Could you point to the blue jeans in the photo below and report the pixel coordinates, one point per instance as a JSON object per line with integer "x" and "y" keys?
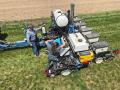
{"x": 35, "y": 48}
{"x": 48, "y": 46}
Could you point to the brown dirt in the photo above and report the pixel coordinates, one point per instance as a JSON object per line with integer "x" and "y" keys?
{"x": 30, "y": 9}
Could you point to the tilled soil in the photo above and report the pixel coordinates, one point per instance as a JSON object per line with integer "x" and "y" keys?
{"x": 30, "y": 9}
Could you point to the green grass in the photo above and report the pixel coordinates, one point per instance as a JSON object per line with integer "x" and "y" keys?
{"x": 20, "y": 70}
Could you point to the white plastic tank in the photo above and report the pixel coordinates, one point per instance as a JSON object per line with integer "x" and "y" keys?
{"x": 60, "y": 18}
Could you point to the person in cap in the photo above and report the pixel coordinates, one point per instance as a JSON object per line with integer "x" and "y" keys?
{"x": 31, "y": 37}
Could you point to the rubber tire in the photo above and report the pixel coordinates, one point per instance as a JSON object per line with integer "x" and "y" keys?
{"x": 98, "y": 60}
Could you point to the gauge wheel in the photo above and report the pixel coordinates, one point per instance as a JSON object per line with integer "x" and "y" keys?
{"x": 52, "y": 75}
{"x": 99, "y": 60}
{"x": 65, "y": 72}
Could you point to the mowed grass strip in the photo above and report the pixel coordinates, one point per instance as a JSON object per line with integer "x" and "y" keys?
{"x": 20, "y": 70}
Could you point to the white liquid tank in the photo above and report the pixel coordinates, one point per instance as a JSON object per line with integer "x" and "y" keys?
{"x": 60, "y": 18}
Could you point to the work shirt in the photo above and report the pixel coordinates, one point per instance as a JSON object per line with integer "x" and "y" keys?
{"x": 59, "y": 41}
{"x": 31, "y": 35}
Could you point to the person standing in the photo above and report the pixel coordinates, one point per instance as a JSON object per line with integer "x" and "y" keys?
{"x": 31, "y": 37}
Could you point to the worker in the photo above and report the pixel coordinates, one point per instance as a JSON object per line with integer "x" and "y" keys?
{"x": 3, "y": 36}
{"x": 32, "y": 39}
{"x": 56, "y": 44}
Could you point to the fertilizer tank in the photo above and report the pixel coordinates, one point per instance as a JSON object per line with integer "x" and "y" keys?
{"x": 60, "y": 18}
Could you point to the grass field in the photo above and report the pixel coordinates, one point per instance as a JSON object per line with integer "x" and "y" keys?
{"x": 19, "y": 70}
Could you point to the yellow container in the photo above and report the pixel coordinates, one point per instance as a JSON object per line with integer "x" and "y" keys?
{"x": 86, "y": 56}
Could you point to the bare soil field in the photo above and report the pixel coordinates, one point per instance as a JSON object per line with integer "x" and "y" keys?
{"x": 30, "y": 9}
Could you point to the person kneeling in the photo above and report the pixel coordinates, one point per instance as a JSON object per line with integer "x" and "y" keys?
{"x": 55, "y": 45}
